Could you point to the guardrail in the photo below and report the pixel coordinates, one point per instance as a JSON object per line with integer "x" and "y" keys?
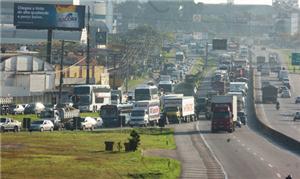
{"x": 279, "y": 138}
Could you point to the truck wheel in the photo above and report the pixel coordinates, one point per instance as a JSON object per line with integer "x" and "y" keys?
{"x": 42, "y": 130}
{"x": 16, "y": 129}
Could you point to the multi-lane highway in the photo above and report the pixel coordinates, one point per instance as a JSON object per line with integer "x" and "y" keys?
{"x": 282, "y": 119}
{"x": 247, "y": 154}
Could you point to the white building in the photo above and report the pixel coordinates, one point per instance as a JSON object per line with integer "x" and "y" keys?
{"x": 24, "y": 75}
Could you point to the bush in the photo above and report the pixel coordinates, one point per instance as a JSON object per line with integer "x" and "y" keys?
{"x": 134, "y": 141}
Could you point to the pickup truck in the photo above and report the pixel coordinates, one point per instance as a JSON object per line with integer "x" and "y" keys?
{"x": 7, "y": 124}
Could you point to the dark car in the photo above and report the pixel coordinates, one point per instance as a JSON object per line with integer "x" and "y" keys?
{"x": 297, "y": 116}
{"x": 297, "y": 100}
{"x": 243, "y": 117}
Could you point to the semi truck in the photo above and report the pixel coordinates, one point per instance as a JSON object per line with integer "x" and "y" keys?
{"x": 60, "y": 116}
{"x": 145, "y": 113}
{"x": 224, "y": 113}
{"x": 178, "y": 108}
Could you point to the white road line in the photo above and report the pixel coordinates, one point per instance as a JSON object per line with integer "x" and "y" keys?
{"x": 212, "y": 152}
{"x": 243, "y": 145}
{"x": 261, "y": 158}
{"x": 278, "y": 175}
{"x": 238, "y": 140}
{"x": 254, "y": 153}
{"x": 248, "y": 148}
{"x": 271, "y": 166}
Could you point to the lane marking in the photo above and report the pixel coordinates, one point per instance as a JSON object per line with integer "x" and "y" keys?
{"x": 238, "y": 140}
{"x": 254, "y": 153}
{"x": 212, "y": 152}
{"x": 270, "y": 165}
{"x": 243, "y": 145}
{"x": 262, "y": 159}
{"x": 248, "y": 148}
{"x": 278, "y": 175}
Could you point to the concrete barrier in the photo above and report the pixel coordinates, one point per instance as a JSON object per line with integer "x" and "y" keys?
{"x": 279, "y": 138}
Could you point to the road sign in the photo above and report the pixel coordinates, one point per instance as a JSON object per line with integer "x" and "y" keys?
{"x": 296, "y": 59}
{"x": 219, "y": 44}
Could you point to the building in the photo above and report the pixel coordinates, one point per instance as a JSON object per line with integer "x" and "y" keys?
{"x": 77, "y": 75}
{"x": 26, "y": 78}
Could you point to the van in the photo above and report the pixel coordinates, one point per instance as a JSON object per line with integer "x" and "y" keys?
{"x": 283, "y": 74}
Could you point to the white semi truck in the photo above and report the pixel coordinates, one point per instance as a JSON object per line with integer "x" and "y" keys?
{"x": 178, "y": 108}
{"x": 145, "y": 113}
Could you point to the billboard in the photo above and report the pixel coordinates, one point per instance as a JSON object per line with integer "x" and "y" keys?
{"x": 48, "y": 16}
{"x": 296, "y": 59}
{"x": 219, "y": 44}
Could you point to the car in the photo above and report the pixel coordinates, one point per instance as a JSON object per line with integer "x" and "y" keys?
{"x": 297, "y": 116}
{"x": 282, "y": 88}
{"x": 287, "y": 84}
{"x": 16, "y": 109}
{"x": 7, "y": 124}
{"x": 243, "y": 117}
{"x": 286, "y": 94}
{"x": 36, "y": 108}
{"x": 41, "y": 125}
{"x": 297, "y": 100}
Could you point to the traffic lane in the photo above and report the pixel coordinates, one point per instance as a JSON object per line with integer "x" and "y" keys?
{"x": 231, "y": 150}
{"x": 294, "y": 81}
{"x": 282, "y": 119}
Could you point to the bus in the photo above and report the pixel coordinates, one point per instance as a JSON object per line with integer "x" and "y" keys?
{"x": 146, "y": 92}
{"x": 112, "y": 115}
{"x": 90, "y": 98}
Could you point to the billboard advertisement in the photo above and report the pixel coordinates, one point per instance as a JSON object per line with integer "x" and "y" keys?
{"x": 219, "y": 44}
{"x": 49, "y": 16}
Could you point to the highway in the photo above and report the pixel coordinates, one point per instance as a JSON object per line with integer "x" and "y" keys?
{"x": 281, "y": 120}
{"x": 246, "y": 153}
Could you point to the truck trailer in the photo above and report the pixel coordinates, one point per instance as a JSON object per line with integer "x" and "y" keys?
{"x": 224, "y": 113}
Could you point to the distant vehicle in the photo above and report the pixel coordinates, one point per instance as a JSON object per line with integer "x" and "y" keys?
{"x": 269, "y": 94}
{"x": 242, "y": 79}
{"x": 282, "y": 88}
{"x": 112, "y": 115}
{"x": 166, "y": 86}
{"x": 41, "y": 125}
{"x": 180, "y": 57}
{"x": 164, "y": 78}
{"x": 297, "y": 116}
{"x": 16, "y": 109}
{"x": 283, "y": 74}
{"x": 224, "y": 113}
{"x": 287, "y": 84}
{"x": 82, "y": 123}
{"x": 7, "y": 124}
{"x": 297, "y": 100}
{"x": 286, "y": 94}
{"x": 90, "y": 98}
{"x": 243, "y": 117}
{"x": 116, "y": 97}
{"x": 36, "y": 108}
{"x": 146, "y": 92}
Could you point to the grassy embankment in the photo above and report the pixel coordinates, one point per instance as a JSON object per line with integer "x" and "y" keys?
{"x": 81, "y": 155}
{"x": 288, "y": 61}
{"x": 34, "y": 117}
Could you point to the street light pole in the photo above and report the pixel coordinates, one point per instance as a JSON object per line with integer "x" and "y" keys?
{"x": 61, "y": 72}
{"x": 88, "y": 49}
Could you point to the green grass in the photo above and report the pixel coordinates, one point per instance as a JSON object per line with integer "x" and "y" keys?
{"x": 89, "y": 114}
{"x": 197, "y": 67}
{"x": 135, "y": 82}
{"x": 81, "y": 155}
{"x": 20, "y": 117}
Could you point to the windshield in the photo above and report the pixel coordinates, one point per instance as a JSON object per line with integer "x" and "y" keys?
{"x": 37, "y": 122}
{"x": 81, "y": 90}
{"x": 84, "y": 100}
{"x": 108, "y": 112}
{"x": 165, "y": 87}
{"x": 137, "y": 113}
{"x": 221, "y": 115}
{"x": 142, "y": 94}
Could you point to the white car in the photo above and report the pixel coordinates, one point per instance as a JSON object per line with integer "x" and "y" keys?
{"x": 88, "y": 123}
{"x": 18, "y": 109}
{"x": 41, "y": 125}
{"x": 286, "y": 94}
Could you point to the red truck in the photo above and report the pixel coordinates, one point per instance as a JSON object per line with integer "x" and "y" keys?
{"x": 224, "y": 113}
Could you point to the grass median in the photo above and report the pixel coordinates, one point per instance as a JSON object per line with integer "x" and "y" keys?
{"x": 81, "y": 155}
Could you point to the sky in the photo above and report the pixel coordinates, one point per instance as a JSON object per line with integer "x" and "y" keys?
{"x": 267, "y": 2}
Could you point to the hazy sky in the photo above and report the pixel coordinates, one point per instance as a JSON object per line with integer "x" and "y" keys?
{"x": 268, "y": 2}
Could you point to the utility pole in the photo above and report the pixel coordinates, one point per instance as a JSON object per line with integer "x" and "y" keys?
{"x": 115, "y": 73}
{"x": 61, "y": 72}
{"x": 49, "y": 45}
{"x": 88, "y": 49}
{"x": 206, "y": 54}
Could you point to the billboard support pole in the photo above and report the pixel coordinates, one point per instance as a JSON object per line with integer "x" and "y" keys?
{"x": 61, "y": 72}
{"x": 49, "y": 45}
{"x": 88, "y": 49}
{"x": 206, "y": 54}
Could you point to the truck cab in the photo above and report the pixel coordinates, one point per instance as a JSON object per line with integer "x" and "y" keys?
{"x": 139, "y": 117}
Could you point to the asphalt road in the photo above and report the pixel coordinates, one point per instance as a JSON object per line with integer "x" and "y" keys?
{"x": 247, "y": 154}
{"x": 282, "y": 119}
